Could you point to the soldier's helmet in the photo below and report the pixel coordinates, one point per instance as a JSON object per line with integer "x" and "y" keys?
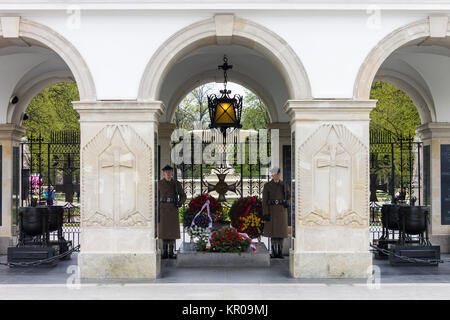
{"x": 166, "y": 168}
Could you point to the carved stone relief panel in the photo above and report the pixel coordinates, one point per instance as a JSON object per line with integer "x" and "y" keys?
{"x": 117, "y": 179}
{"x": 332, "y": 172}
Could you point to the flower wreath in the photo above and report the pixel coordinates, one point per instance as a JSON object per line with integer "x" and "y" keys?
{"x": 194, "y": 207}
{"x": 246, "y": 216}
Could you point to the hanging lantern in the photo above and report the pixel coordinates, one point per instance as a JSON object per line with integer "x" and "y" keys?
{"x": 224, "y": 111}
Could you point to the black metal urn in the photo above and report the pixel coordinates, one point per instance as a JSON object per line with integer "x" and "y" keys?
{"x": 390, "y": 217}
{"x": 40, "y": 219}
{"x": 413, "y": 219}
{"x": 31, "y": 220}
{"x": 55, "y": 217}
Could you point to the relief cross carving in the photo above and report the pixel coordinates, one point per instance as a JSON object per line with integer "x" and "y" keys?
{"x": 333, "y": 162}
{"x": 116, "y": 160}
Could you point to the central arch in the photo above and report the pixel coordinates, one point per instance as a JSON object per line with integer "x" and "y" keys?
{"x": 238, "y": 31}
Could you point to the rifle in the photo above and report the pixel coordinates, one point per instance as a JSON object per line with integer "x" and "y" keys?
{"x": 176, "y": 186}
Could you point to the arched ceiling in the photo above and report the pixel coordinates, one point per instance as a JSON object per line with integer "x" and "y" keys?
{"x": 24, "y": 64}
{"x": 424, "y": 70}
{"x": 250, "y": 69}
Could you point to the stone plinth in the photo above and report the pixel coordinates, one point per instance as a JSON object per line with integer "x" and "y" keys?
{"x": 10, "y": 135}
{"x": 434, "y": 135}
{"x": 118, "y": 143}
{"x": 188, "y": 257}
{"x": 331, "y": 195}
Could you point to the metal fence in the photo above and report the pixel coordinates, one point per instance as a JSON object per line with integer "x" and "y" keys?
{"x": 71, "y": 232}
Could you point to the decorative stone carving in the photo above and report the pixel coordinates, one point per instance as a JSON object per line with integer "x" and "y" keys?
{"x": 332, "y": 172}
{"x": 118, "y": 174}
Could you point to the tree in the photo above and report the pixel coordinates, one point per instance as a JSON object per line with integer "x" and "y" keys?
{"x": 192, "y": 113}
{"x": 254, "y": 112}
{"x": 394, "y": 111}
{"x": 52, "y": 109}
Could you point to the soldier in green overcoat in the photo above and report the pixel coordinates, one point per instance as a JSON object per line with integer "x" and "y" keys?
{"x": 276, "y": 197}
{"x": 170, "y": 199}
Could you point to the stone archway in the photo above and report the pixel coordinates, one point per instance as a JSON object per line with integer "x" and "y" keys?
{"x": 61, "y": 46}
{"x": 225, "y": 29}
{"x": 30, "y": 89}
{"x": 238, "y": 78}
{"x": 22, "y": 33}
{"x": 434, "y": 131}
{"x": 422, "y": 101}
{"x": 409, "y": 34}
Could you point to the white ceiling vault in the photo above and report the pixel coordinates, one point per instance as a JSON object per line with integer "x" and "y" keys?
{"x": 250, "y": 69}
{"x": 25, "y": 70}
{"x": 422, "y": 70}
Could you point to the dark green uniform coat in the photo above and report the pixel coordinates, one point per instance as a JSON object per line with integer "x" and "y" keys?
{"x": 169, "y": 222}
{"x": 277, "y": 227}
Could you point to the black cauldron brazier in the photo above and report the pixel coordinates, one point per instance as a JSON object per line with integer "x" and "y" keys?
{"x": 55, "y": 217}
{"x": 390, "y": 217}
{"x": 31, "y": 220}
{"x": 413, "y": 219}
{"x": 40, "y": 220}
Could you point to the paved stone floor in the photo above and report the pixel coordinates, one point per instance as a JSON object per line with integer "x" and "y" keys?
{"x": 202, "y": 283}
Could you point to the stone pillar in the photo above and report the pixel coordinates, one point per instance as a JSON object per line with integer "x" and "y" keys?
{"x": 332, "y": 235}
{"x": 435, "y": 135}
{"x": 10, "y": 135}
{"x": 164, "y": 135}
{"x": 118, "y": 182}
{"x": 284, "y": 138}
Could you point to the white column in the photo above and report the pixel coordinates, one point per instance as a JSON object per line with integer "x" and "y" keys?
{"x": 331, "y": 188}
{"x": 118, "y": 178}
{"x": 435, "y": 134}
{"x": 284, "y": 135}
{"x": 10, "y": 135}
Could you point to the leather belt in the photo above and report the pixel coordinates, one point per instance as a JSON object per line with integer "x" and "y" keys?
{"x": 167, "y": 200}
{"x": 275, "y": 202}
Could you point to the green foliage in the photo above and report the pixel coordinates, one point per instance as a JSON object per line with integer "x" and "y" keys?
{"x": 192, "y": 112}
{"x": 52, "y": 109}
{"x": 394, "y": 111}
{"x": 254, "y": 113}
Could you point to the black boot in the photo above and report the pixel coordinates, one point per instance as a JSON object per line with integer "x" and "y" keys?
{"x": 273, "y": 254}
{"x": 172, "y": 254}
{"x": 165, "y": 254}
{"x": 280, "y": 251}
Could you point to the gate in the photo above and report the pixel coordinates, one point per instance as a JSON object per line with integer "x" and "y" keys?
{"x": 249, "y": 170}
{"x": 53, "y": 161}
{"x": 395, "y": 173}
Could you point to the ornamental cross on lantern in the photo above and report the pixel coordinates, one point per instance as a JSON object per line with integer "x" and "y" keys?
{"x": 222, "y": 187}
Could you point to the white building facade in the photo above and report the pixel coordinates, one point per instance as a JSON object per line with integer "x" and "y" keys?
{"x": 311, "y": 62}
